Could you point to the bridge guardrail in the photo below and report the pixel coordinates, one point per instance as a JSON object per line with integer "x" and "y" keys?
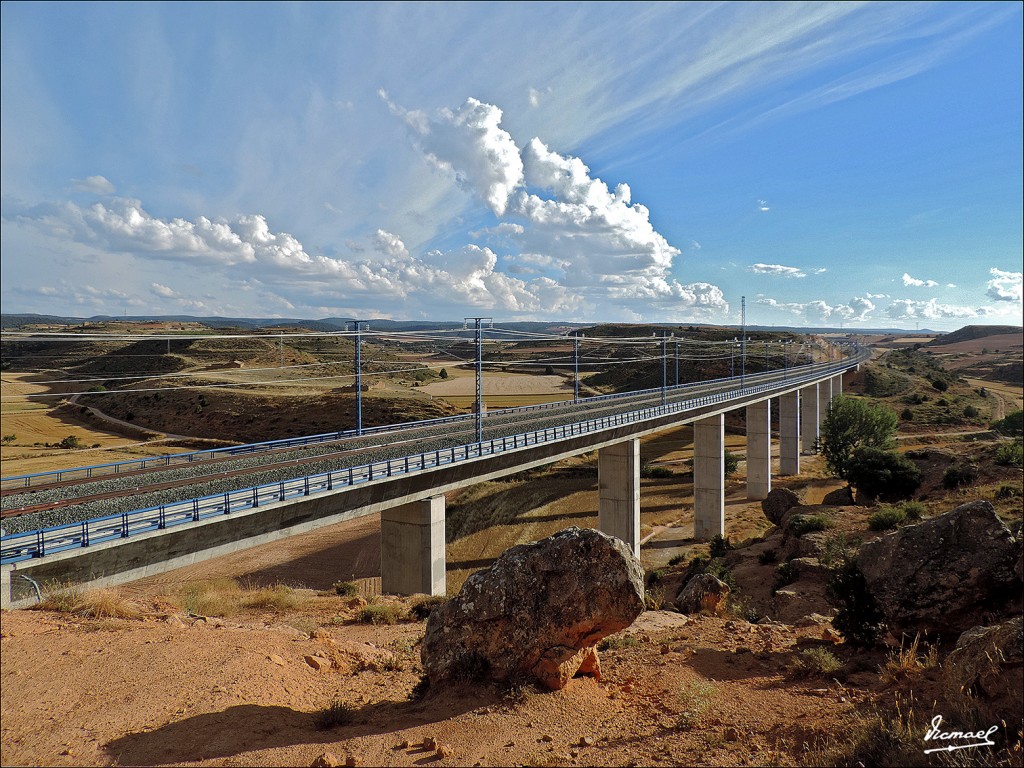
{"x": 112, "y": 469}
{"x": 18, "y": 547}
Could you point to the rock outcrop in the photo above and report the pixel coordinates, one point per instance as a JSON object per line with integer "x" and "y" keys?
{"x": 539, "y": 610}
{"x": 942, "y": 575}
{"x": 987, "y": 665}
{"x": 703, "y": 594}
{"x": 777, "y": 503}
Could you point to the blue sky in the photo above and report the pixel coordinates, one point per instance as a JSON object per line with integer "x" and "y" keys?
{"x": 837, "y": 164}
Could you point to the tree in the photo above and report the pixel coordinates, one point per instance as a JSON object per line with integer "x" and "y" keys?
{"x": 8, "y": 439}
{"x": 444, "y": 373}
{"x": 853, "y": 423}
{"x": 885, "y": 475}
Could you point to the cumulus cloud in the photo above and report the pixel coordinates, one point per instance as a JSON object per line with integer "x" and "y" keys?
{"x": 96, "y": 185}
{"x": 858, "y": 309}
{"x": 1004, "y": 286}
{"x": 591, "y": 239}
{"x": 247, "y": 249}
{"x": 907, "y": 309}
{"x": 762, "y": 205}
{"x": 777, "y": 270}
{"x": 916, "y": 283}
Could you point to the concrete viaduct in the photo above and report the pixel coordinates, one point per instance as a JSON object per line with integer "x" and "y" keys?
{"x": 412, "y": 505}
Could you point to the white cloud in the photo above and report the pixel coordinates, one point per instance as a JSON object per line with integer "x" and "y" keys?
{"x": 390, "y": 245}
{"x": 163, "y": 291}
{"x": 1004, "y": 286}
{"x": 96, "y": 185}
{"x": 777, "y": 270}
{"x": 916, "y": 283}
{"x": 857, "y": 310}
{"x": 762, "y": 205}
{"x": 906, "y": 309}
{"x": 877, "y": 295}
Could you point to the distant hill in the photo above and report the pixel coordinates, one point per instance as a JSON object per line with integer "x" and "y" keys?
{"x": 971, "y": 332}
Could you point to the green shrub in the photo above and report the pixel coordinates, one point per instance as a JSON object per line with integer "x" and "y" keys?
{"x": 887, "y": 519}
{"x": 971, "y": 412}
{"x": 719, "y": 546}
{"x": 656, "y": 472}
{"x": 801, "y": 524}
{"x": 1008, "y": 492}
{"x": 880, "y": 474}
{"x": 379, "y": 614}
{"x": 858, "y": 618}
{"x": 959, "y": 474}
{"x": 768, "y": 557}
{"x": 1012, "y": 425}
{"x": 618, "y": 642}
{"x": 346, "y": 588}
{"x": 655, "y": 577}
{"x": 732, "y": 462}
{"x": 812, "y": 662}
{"x": 1010, "y": 455}
{"x": 785, "y": 573}
{"x": 421, "y": 609}
{"x": 676, "y": 559}
{"x": 914, "y": 509}
{"x": 852, "y": 423}
{"x": 940, "y": 385}
{"x": 907, "y": 415}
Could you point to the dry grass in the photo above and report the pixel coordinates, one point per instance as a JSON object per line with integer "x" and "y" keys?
{"x": 908, "y": 661}
{"x": 226, "y": 597}
{"x": 94, "y": 604}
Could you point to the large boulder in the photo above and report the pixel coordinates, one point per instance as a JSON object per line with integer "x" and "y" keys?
{"x": 539, "y": 610}
{"x": 703, "y": 594}
{"x": 777, "y": 503}
{"x": 944, "y": 574}
{"x": 987, "y": 666}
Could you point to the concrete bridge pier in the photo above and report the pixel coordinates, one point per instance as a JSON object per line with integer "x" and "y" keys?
{"x": 789, "y": 434}
{"x": 837, "y": 385}
{"x": 809, "y": 417}
{"x": 709, "y": 477}
{"x": 759, "y": 450}
{"x": 412, "y": 549}
{"x": 824, "y": 398}
{"x": 618, "y": 496}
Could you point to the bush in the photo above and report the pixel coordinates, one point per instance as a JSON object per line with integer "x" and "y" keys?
{"x": 346, "y": 588}
{"x": 914, "y": 509}
{"x": 337, "y": 714}
{"x": 421, "y": 609}
{"x": 379, "y": 614}
{"x": 1012, "y": 425}
{"x": 887, "y": 519}
{"x": 785, "y": 573}
{"x": 801, "y": 524}
{"x": 70, "y": 442}
{"x": 813, "y": 662}
{"x": 719, "y": 546}
{"x": 444, "y": 373}
{"x": 940, "y": 385}
{"x": 1008, "y": 492}
{"x": 971, "y": 412}
{"x": 732, "y": 462}
{"x": 858, "y": 619}
{"x": 959, "y": 474}
{"x": 1011, "y": 455}
{"x": 907, "y": 415}
{"x": 656, "y": 472}
{"x": 768, "y": 557}
{"x": 879, "y": 474}
{"x": 8, "y": 439}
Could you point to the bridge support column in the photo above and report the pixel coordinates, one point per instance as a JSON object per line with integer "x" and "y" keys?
{"x": 789, "y": 434}
{"x": 824, "y": 398}
{"x": 5, "y": 587}
{"x": 412, "y": 552}
{"x": 618, "y": 499}
{"x": 759, "y": 450}
{"x": 709, "y": 477}
{"x": 809, "y": 417}
{"x": 837, "y": 385}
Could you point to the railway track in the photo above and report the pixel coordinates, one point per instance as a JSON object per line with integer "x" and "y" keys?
{"x": 85, "y": 497}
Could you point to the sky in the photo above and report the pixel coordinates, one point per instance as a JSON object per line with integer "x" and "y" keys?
{"x": 845, "y": 165}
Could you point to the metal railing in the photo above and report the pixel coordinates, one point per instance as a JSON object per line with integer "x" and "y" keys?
{"x": 17, "y": 547}
{"x": 113, "y": 469}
